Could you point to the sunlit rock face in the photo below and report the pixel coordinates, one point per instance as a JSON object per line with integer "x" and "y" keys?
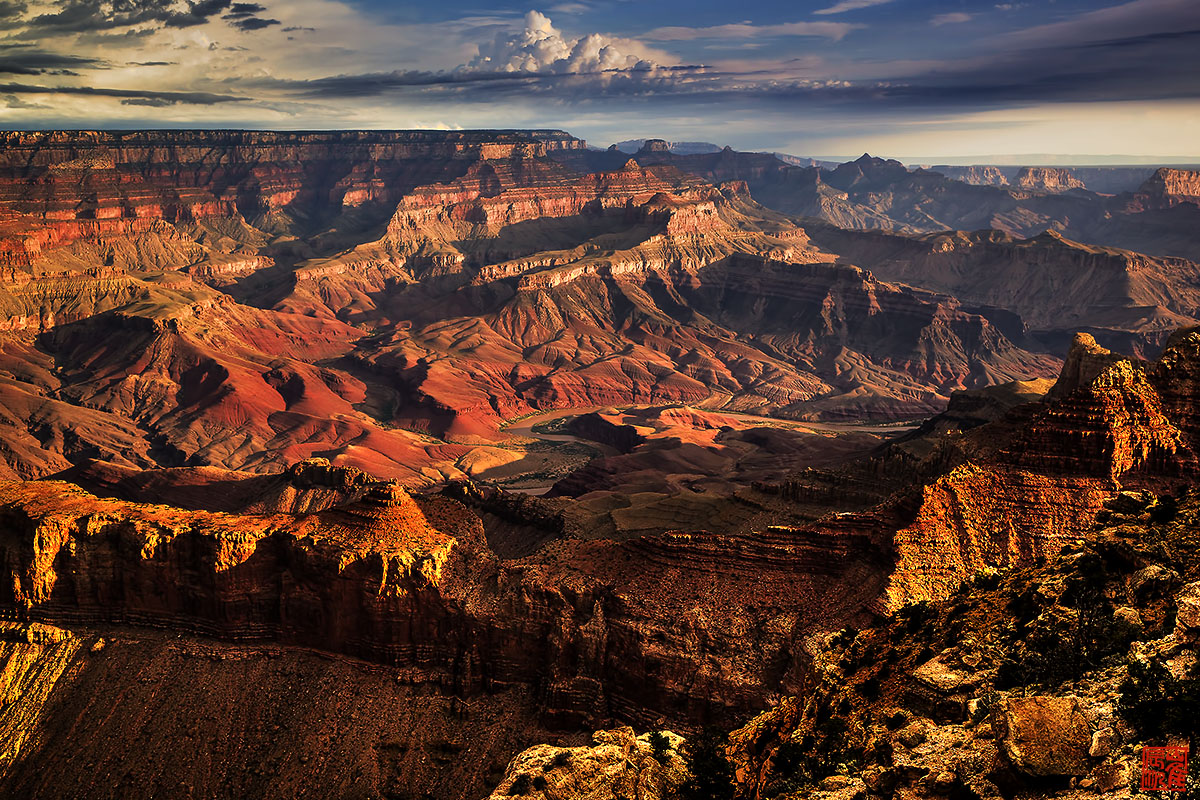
{"x": 245, "y": 301}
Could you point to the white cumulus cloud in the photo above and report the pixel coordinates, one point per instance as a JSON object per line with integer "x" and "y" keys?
{"x": 542, "y": 48}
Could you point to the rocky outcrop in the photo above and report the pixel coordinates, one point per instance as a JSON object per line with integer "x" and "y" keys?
{"x": 1046, "y": 678}
{"x": 618, "y": 765}
{"x": 1168, "y": 187}
{"x": 411, "y": 584}
{"x": 1046, "y": 179}
{"x": 975, "y": 175}
{"x": 1084, "y": 363}
{"x": 1015, "y": 490}
{"x": 86, "y": 184}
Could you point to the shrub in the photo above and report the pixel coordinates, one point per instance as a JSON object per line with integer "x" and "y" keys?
{"x": 986, "y": 578}
{"x": 1157, "y": 704}
{"x": 1165, "y": 510}
{"x": 916, "y": 615}
{"x": 712, "y": 774}
{"x": 660, "y": 745}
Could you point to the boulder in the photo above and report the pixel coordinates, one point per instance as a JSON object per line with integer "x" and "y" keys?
{"x": 943, "y": 678}
{"x": 1045, "y": 736}
{"x": 1112, "y": 776}
{"x": 619, "y": 765}
{"x": 1187, "y": 618}
{"x": 1103, "y": 742}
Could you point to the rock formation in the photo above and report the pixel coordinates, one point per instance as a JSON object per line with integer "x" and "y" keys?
{"x": 1024, "y": 682}
{"x": 618, "y": 764}
{"x": 1047, "y": 179}
{"x": 1149, "y": 216}
{"x": 1170, "y": 187}
{"x": 444, "y": 283}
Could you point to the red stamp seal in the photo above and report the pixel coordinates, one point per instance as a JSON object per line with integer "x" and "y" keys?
{"x": 1164, "y": 769}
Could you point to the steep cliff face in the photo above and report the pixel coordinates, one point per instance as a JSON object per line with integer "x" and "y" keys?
{"x": 189, "y": 175}
{"x": 976, "y": 176}
{"x": 962, "y": 495}
{"x": 411, "y": 584}
{"x": 1047, "y": 179}
{"x": 1169, "y": 187}
{"x": 1043, "y": 473}
{"x": 199, "y": 717}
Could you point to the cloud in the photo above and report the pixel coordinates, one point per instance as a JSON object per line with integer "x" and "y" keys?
{"x": 20, "y": 60}
{"x": 11, "y": 12}
{"x": 157, "y": 98}
{"x": 1137, "y": 18}
{"x": 152, "y": 102}
{"x": 850, "y": 5}
{"x": 83, "y": 16}
{"x": 952, "y": 18}
{"x": 252, "y": 23}
{"x": 541, "y": 48}
{"x": 14, "y": 102}
{"x": 479, "y": 86}
{"x": 244, "y": 16}
{"x": 90, "y": 16}
{"x": 830, "y": 30}
{"x": 244, "y": 10}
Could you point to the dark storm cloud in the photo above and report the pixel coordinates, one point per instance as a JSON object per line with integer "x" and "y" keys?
{"x": 252, "y": 23}
{"x": 244, "y": 10}
{"x": 21, "y": 60}
{"x": 465, "y": 84}
{"x": 85, "y": 16}
{"x": 153, "y": 98}
{"x": 244, "y": 16}
{"x": 1157, "y": 66}
{"x": 10, "y": 10}
{"x": 89, "y": 16}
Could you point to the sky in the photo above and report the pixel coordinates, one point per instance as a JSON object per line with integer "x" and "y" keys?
{"x": 919, "y": 79}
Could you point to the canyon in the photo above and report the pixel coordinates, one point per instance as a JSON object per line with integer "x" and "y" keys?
{"x": 361, "y": 462}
